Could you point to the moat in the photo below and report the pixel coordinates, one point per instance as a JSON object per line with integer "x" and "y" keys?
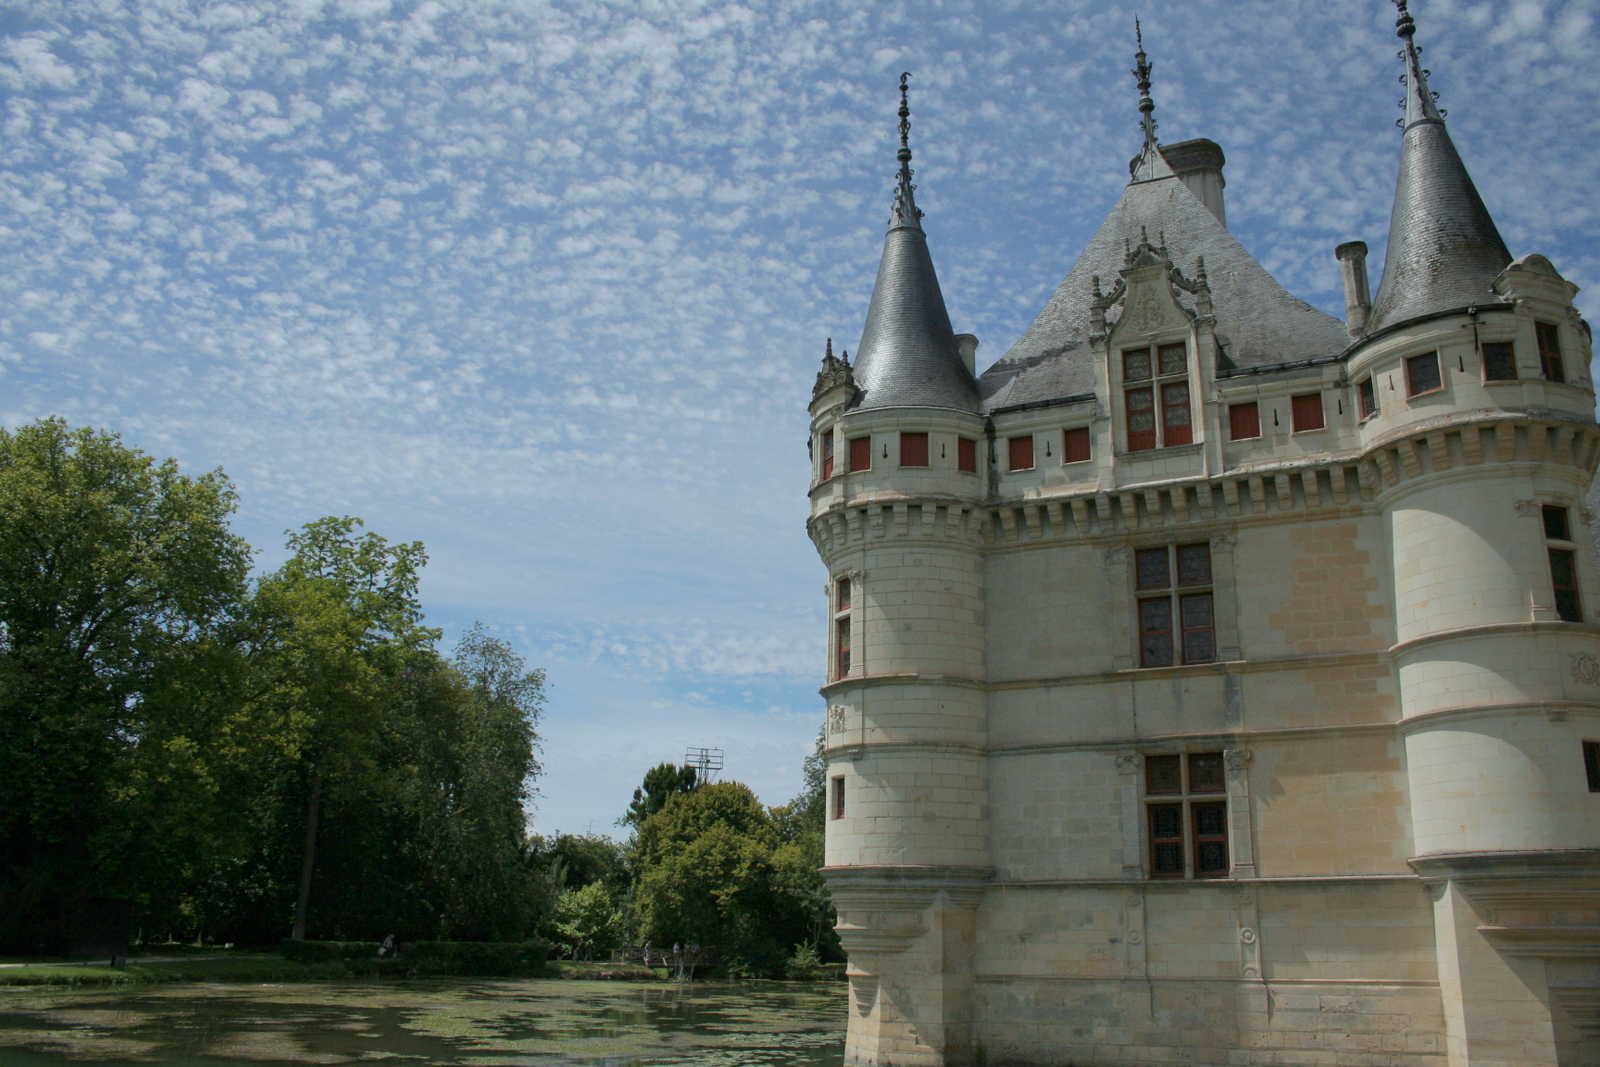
{"x": 488, "y": 1022}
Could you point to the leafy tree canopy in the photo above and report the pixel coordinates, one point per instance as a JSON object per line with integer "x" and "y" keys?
{"x": 661, "y": 783}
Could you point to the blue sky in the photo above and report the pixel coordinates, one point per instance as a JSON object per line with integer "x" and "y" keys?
{"x": 544, "y": 285}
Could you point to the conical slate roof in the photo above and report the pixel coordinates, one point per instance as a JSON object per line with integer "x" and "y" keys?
{"x": 1444, "y": 250}
{"x": 908, "y": 355}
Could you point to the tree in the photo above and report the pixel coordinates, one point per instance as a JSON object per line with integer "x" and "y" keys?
{"x": 587, "y": 919}
{"x": 661, "y": 783}
{"x": 335, "y": 623}
{"x": 111, "y": 567}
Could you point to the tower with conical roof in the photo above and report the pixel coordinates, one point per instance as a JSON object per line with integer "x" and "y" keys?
{"x": 1212, "y": 681}
{"x": 896, "y": 519}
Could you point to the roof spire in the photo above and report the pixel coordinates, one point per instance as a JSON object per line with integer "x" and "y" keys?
{"x": 905, "y": 205}
{"x": 1420, "y": 103}
{"x": 1444, "y": 251}
{"x": 1141, "y": 70}
{"x": 1149, "y": 164}
{"x": 908, "y": 356}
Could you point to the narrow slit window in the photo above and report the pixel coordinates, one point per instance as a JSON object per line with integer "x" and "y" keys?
{"x": 827, "y": 455}
{"x": 1422, "y": 374}
{"x": 1244, "y": 421}
{"x": 837, "y": 788}
{"x": 1550, "y": 363}
{"x": 1557, "y": 526}
{"x": 1499, "y": 361}
{"x": 842, "y": 595}
{"x": 1021, "y": 453}
{"x": 913, "y": 450}
{"x": 1075, "y": 445}
{"x": 861, "y": 453}
{"x": 1307, "y": 412}
{"x": 967, "y": 454}
{"x": 1591, "y": 764}
{"x": 842, "y": 632}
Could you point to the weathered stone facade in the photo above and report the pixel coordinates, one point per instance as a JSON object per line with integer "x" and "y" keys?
{"x": 1338, "y": 811}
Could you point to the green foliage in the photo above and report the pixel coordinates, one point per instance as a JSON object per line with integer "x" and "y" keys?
{"x": 165, "y": 724}
{"x": 426, "y": 957}
{"x": 577, "y": 860}
{"x": 587, "y": 919}
{"x": 661, "y": 783}
{"x": 113, "y": 568}
{"x": 805, "y": 964}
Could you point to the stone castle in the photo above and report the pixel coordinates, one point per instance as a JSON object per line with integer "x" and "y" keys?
{"x": 1212, "y": 681}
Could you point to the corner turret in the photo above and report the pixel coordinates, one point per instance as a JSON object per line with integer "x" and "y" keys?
{"x": 1444, "y": 251}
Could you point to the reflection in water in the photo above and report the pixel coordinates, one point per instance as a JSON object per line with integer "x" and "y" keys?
{"x": 539, "y": 1024}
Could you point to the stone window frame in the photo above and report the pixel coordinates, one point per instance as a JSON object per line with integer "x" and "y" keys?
{"x": 1191, "y": 804}
{"x": 1174, "y": 593}
{"x": 842, "y": 638}
{"x": 1368, "y": 406}
{"x": 1157, "y": 383}
{"x": 1510, "y": 345}
{"x": 1561, "y": 550}
{"x": 1408, "y": 367}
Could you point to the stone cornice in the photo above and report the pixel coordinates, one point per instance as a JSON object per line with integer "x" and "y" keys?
{"x": 1334, "y": 484}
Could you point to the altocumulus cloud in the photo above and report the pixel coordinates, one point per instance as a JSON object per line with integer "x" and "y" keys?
{"x": 544, "y": 284}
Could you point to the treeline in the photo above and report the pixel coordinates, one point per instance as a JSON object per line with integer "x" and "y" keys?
{"x": 708, "y": 866}
{"x": 212, "y": 755}
{"x": 209, "y": 755}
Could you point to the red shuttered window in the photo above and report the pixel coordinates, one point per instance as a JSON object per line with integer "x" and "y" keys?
{"x": 1141, "y": 420}
{"x": 861, "y": 453}
{"x": 1075, "y": 445}
{"x": 913, "y": 450}
{"x": 1021, "y": 449}
{"x": 967, "y": 454}
{"x": 1244, "y": 421}
{"x": 827, "y": 455}
{"x": 1175, "y": 425}
{"x": 1307, "y": 411}
{"x": 1166, "y": 369}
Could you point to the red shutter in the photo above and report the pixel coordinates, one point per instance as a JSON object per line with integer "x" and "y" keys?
{"x": 827, "y": 455}
{"x": 1176, "y": 429}
{"x": 1307, "y": 412}
{"x": 913, "y": 450}
{"x": 1244, "y": 421}
{"x": 967, "y": 454}
{"x": 1141, "y": 405}
{"x": 1075, "y": 445}
{"x": 1022, "y": 453}
{"x": 861, "y": 454}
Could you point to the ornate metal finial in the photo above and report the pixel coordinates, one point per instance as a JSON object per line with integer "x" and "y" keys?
{"x": 1405, "y": 25}
{"x": 905, "y": 205}
{"x": 1420, "y": 103}
{"x": 1141, "y": 70}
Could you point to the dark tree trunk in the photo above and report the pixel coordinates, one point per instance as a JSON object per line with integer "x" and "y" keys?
{"x": 308, "y": 858}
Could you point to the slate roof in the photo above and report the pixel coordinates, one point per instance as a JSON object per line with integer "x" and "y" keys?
{"x": 1258, "y": 321}
{"x": 908, "y": 355}
{"x": 1444, "y": 250}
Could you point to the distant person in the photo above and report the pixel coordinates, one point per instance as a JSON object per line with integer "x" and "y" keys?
{"x": 389, "y": 949}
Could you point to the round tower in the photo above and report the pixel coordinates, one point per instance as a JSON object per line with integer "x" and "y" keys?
{"x": 897, "y": 445}
{"x": 1473, "y": 380}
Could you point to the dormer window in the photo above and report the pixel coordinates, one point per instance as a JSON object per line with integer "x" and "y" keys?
{"x": 1156, "y": 396}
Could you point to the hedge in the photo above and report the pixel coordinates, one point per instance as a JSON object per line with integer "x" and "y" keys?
{"x": 487, "y": 959}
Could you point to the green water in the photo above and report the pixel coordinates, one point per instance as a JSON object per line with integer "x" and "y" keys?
{"x": 476, "y": 1022}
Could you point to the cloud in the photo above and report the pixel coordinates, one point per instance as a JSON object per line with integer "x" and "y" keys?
{"x": 545, "y": 284}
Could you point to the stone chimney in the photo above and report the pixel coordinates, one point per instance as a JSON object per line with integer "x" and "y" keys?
{"x": 1357, "y": 293}
{"x": 967, "y": 345}
{"x": 1198, "y": 163}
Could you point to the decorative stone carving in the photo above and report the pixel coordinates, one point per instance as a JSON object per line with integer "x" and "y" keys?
{"x": 1526, "y": 508}
{"x": 837, "y": 716}
{"x": 835, "y": 372}
{"x": 1585, "y": 667}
